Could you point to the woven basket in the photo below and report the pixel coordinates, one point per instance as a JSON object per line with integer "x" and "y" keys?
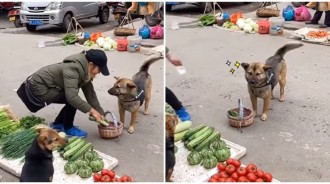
{"x": 247, "y": 120}
{"x": 111, "y": 131}
{"x": 125, "y": 31}
{"x": 268, "y": 11}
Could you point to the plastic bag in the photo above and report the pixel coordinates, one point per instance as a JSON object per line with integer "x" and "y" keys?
{"x": 157, "y": 32}
{"x": 144, "y": 32}
{"x": 234, "y": 17}
{"x": 288, "y": 13}
{"x": 302, "y": 14}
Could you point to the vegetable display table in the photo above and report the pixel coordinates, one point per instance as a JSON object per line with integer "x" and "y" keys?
{"x": 15, "y": 167}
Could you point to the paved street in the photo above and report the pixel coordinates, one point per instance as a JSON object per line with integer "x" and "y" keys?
{"x": 140, "y": 155}
{"x": 293, "y": 144}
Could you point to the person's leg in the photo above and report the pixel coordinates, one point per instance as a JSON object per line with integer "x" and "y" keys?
{"x": 174, "y": 102}
{"x": 317, "y": 16}
{"x": 326, "y": 20}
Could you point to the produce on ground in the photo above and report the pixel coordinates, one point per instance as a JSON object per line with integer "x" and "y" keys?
{"x": 231, "y": 26}
{"x": 318, "y": 34}
{"x": 89, "y": 43}
{"x": 233, "y": 171}
{"x": 70, "y": 39}
{"x": 206, "y": 146}
{"x": 248, "y": 25}
{"x": 169, "y": 109}
{"x": 107, "y": 175}
{"x": 85, "y": 165}
{"x": 75, "y": 149}
{"x": 8, "y": 124}
{"x": 14, "y": 145}
{"x": 95, "y": 36}
{"x": 31, "y": 121}
{"x": 207, "y": 20}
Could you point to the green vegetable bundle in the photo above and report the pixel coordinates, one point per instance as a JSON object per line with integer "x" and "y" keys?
{"x": 207, "y": 20}
{"x": 7, "y": 124}
{"x": 15, "y": 145}
{"x": 89, "y": 43}
{"x": 30, "y": 121}
{"x": 70, "y": 39}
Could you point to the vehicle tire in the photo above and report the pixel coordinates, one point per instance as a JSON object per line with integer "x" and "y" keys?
{"x": 208, "y": 8}
{"x": 18, "y": 22}
{"x": 168, "y": 7}
{"x": 31, "y": 28}
{"x": 298, "y": 4}
{"x": 66, "y": 22}
{"x": 104, "y": 15}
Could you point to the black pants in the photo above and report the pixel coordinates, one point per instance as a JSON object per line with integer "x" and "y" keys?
{"x": 66, "y": 115}
{"x": 172, "y": 100}
{"x": 317, "y": 16}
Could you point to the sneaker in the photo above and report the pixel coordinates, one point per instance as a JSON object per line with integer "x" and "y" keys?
{"x": 183, "y": 114}
{"x": 324, "y": 26}
{"x": 75, "y": 132}
{"x": 58, "y": 127}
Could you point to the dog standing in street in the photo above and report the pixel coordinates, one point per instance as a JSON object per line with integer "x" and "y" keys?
{"x": 133, "y": 93}
{"x": 171, "y": 122}
{"x": 263, "y": 77}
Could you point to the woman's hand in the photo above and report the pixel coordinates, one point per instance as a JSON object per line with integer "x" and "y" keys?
{"x": 96, "y": 115}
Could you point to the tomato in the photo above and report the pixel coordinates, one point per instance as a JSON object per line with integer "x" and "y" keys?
{"x": 215, "y": 176}
{"x": 97, "y": 177}
{"x": 111, "y": 174}
{"x": 267, "y": 177}
{"x": 259, "y": 173}
{"x": 212, "y": 180}
{"x": 223, "y": 174}
{"x": 229, "y": 180}
{"x": 242, "y": 179}
{"x": 221, "y": 166}
{"x": 236, "y": 163}
{"x": 234, "y": 176}
{"x": 251, "y": 168}
{"x": 104, "y": 172}
{"x": 105, "y": 178}
{"x": 241, "y": 171}
{"x": 222, "y": 179}
{"x": 259, "y": 180}
{"x": 251, "y": 177}
{"x": 230, "y": 169}
{"x": 230, "y": 161}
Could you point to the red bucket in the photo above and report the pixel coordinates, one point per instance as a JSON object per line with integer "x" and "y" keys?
{"x": 263, "y": 26}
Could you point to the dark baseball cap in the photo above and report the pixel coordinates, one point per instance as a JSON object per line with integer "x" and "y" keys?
{"x": 98, "y": 58}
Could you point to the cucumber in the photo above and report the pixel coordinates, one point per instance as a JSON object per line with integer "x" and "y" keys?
{"x": 192, "y": 131}
{"x": 73, "y": 150}
{"x": 183, "y": 126}
{"x": 233, "y": 113}
{"x": 199, "y": 133}
{"x": 72, "y": 144}
{"x": 200, "y": 139}
{"x": 179, "y": 136}
{"x": 206, "y": 143}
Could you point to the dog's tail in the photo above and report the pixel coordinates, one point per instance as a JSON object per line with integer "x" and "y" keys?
{"x": 287, "y": 47}
{"x": 149, "y": 61}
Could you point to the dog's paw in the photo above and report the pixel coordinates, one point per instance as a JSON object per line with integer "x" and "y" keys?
{"x": 281, "y": 99}
{"x": 264, "y": 117}
{"x": 146, "y": 112}
{"x": 130, "y": 130}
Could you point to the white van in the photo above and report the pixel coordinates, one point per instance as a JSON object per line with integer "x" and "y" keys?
{"x": 34, "y": 14}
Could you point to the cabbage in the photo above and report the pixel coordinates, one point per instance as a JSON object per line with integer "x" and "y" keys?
{"x": 240, "y": 23}
{"x": 114, "y": 45}
{"x": 100, "y": 41}
{"x": 248, "y": 28}
{"x": 255, "y": 27}
{"x": 107, "y": 46}
{"x": 107, "y": 39}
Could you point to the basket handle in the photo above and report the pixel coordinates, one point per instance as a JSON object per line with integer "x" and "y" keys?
{"x": 127, "y": 19}
{"x": 115, "y": 122}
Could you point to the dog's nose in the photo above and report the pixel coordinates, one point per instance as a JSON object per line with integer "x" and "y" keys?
{"x": 252, "y": 82}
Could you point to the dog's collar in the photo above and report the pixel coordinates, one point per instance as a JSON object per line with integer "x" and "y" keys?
{"x": 136, "y": 98}
{"x": 269, "y": 81}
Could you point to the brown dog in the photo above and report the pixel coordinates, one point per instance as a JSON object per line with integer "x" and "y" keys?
{"x": 132, "y": 93}
{"x": 262, "y": 78}
{"x": 171, "y": 122}
{"x": 38, "y": 166}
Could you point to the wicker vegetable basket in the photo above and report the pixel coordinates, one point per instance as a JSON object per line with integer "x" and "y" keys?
{"x": 114, "y": 129}
{"x": 236, "y": 121}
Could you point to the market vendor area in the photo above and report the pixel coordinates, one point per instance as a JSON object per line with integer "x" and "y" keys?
{"x": 291, "y": 145}
{"x": 125, "y": 157}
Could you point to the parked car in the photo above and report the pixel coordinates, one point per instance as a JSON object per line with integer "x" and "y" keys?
{"x": 34, "y": 14}
{"x": 202, "y": 5}
{"x": 298, "y": 4}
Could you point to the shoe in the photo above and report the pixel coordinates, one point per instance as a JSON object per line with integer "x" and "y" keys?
{"x": 183, "y": 114}
{"x": 75, "y": 132}
{"x": 324, "y": 26}
{"x": 310, "y": 22}
{"x": 56, "y": 126}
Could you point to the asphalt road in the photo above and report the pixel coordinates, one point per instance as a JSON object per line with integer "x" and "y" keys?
{"x": 293, "y": 144}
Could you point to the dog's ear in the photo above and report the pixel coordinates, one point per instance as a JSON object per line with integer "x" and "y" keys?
{"x": 131, "y": 85}
{"x": 245, "y": 65}
{"x": 117, "y": 78}
{"x": 267, "y": 67}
